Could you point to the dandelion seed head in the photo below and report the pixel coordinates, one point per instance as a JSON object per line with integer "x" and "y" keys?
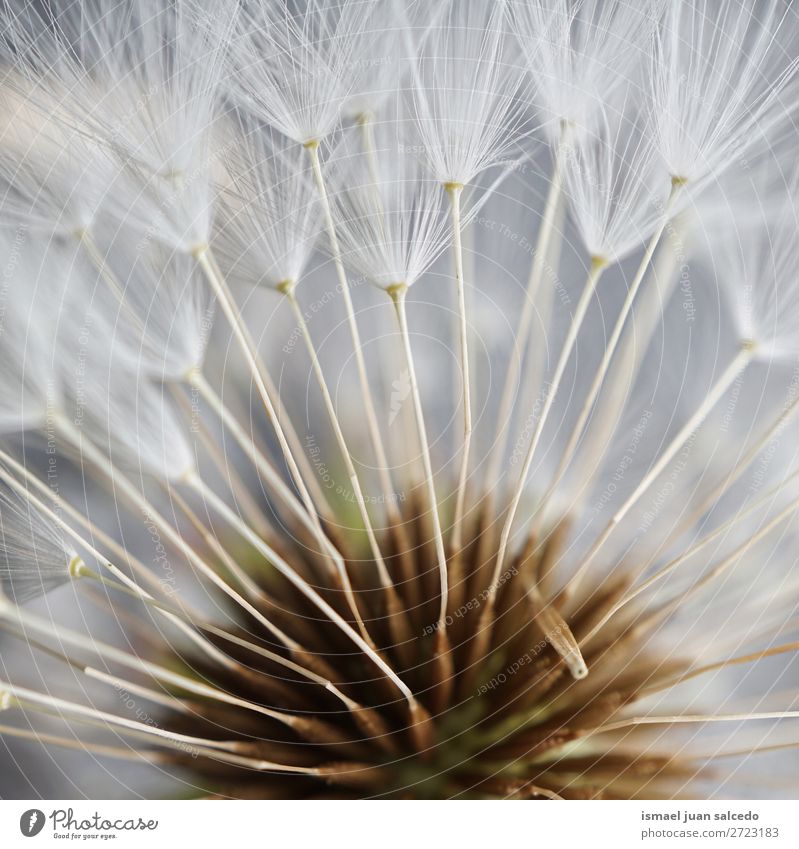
{"x": 392, "y": 230}
{"x": 34, "y": 558}
{"x": 581, "y": 54}
{"x": 469, "y": 97}
{"x": 616, "y": 184}
{"x": 759, "y": 273}
{"x": 270, "y": 218}
{"x": 54, "y": 178}
{"x": 139, "y": 88}
{"x": 516, "y": 520}
{"x": 296, "y": 67}
{"x": 720, "y": 80}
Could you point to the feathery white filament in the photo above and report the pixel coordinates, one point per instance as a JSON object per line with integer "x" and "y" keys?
{"x": 757, "y": 264}
{"x": 469, "y": 96}
{"x": 720, "y": 83}
{"x": 269, "y": 211}
{"x": 33, "y": 555}
{"x": 295, "y": 66}
{"x": 392, "y": 220}
{"x": 580, "y": 53}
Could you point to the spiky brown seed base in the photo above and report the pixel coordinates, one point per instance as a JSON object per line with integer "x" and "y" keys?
{"x": 502, "y": 718}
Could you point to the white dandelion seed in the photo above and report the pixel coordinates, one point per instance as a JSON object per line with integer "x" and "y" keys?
{"x": 270, "y": 218}
{"x": 296, "y": 66}
{"x": 584, "y": 60}
{"x": 758, "y": 269}
{"x": 54, "y": 177}
{"x": 582, "y": 53}
{"x": 270, "y": 225}
{"x": 379, "y": 63}
{"x": 391, "y": 231}
{"x": 33, "y": 556}
{"x": 112, "y": 427}
{"x": 617, "y": 192}
{"x": 615, "y": 183}
{"x": 142, "y": 82}
{"x": 614, "y": 615}
{"x": 294, "y": 69}
{"x": 392, "y": 220}
{"x": 721, "y": 83}
{"x": 470, "y": 104}
{"x": 469, "y": 96}
{"x": 79, "y": 373}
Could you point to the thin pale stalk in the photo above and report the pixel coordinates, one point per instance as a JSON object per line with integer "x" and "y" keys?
{"x": 535, "y": 357}
{"x": 398, "y": 295}
{"x": 739, "y": 660}
{"x": 264, "y": 467}
{"x": 74, "y": 568}
{"x": 256, "y": 516}
{"x": 235, "y": 521}
{"x": 92, "y": 673}
{"x": 398, "y": 622}
{"x": 481, "y": 643}
{"x": 287, "y": 429}
{"x": 209, "y": 538}
{"x": 740, "y": 753}
{"x": 690, "y": 552}
{"x": 183, "y": 618}
{"x": 95, "y": 533}
{"x": 366, "y": 127}
{"x": 233, "y": 639}
{"x": 736, "y": 367}
{"x": 594, "y": 275}
{"x": 225, "y": 751}
{"x": 395, "y": 519}
{"x": 83, "y": 571}
{"x": 111, "y": 654}
{"x": 363, "y": 375}
{"x": 629, "y": 359}
{"x": 116, "y": 479}
{"x": 522, "y": 335}
{"x": 330, "y": 407}
{"x": 690, "y": 719}
{"x": 737, "y": 470}
{"x": 610, "y": 350}
{"x": 721, "y": 567}
{"x": 455, "y": 192}
{"x": 78, "y": 745}
{"x": 23, "y": 696}
{"x": 257, "y": 370}
{"x": 299, "y": 582}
